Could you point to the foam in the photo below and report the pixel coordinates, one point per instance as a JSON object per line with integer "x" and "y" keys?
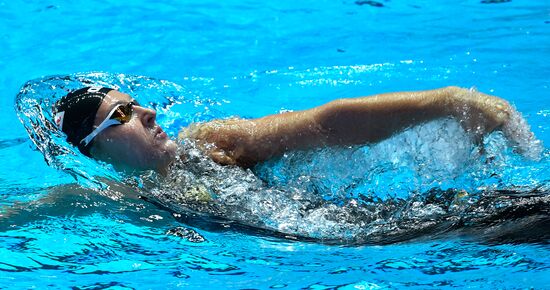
{"x": 521, "y": 138}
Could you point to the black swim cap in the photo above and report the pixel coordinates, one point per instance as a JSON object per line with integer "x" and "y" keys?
{"x": 75, "y": 114}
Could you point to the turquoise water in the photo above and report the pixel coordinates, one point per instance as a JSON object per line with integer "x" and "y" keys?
{"x": 249, "y": 59}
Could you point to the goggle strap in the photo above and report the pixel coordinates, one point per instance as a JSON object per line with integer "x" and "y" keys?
{"x": 104, "y": 125}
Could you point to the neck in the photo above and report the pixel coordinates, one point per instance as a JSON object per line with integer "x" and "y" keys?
{"x": 164, "y": 168}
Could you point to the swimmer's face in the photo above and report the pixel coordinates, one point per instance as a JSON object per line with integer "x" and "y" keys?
{"x": 139, "y": 144}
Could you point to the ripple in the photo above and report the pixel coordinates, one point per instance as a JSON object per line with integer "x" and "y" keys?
{"x": 427, "y": 181}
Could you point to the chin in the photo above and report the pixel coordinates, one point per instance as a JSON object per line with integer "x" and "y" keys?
{"x": 170, "y": 148}
{"x": 168, "y": 152}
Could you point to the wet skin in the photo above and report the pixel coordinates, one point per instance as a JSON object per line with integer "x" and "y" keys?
{"x": 138, "y": 145}
{"x": 346, "y": 122}
{"x": 141, "y": 144}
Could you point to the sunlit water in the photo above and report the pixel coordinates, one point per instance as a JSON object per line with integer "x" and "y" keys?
{"x": 424, "y": 209}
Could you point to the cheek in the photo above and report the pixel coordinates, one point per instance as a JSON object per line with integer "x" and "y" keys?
{"x": 132, "y": 145}
{"x": 126, "y": 145}
{"x": 134, "y": 134}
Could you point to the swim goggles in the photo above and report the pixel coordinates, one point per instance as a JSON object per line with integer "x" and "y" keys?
{"x": 119, "y": 115}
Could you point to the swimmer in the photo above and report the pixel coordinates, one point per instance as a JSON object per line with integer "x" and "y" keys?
{"x": 111, "y": 126}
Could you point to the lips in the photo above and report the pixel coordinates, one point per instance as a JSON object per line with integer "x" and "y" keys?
{"x": 159, "y": 133}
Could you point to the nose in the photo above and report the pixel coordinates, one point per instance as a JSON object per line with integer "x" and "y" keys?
{"x": 146, "y": 115}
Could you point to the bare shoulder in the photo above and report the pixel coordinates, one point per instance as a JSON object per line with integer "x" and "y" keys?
{"x": 206, "y": 130}
{"x": 224, "y": 140}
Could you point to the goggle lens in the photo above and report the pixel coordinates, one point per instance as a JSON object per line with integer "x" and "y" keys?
{"x": 123, "y": 113}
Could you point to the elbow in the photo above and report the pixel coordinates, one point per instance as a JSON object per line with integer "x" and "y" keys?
{"x": 326, "y": 116}
{"x": 334, "y": 121}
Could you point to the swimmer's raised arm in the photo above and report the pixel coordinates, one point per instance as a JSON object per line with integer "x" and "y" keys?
{"x": 348, "y": 122}
{"x": 111, "y": 126}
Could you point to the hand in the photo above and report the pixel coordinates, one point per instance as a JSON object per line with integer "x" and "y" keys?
{"x": 217, "y": 139}
{"x": 480, "y": 114}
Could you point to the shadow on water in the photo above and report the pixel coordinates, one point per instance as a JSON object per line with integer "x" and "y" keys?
{"x": 518, "y": 217}
{"x": 495, "y": 217}
{"x": 12, "y": 142}
{"x": 423, "y": 184}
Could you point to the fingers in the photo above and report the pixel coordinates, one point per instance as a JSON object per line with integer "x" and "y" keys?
{"x": 219, "y": 156}
{"x": 498, "y": 114}
{"x": 521, "y": 138}
{"x": 480, "y": 113}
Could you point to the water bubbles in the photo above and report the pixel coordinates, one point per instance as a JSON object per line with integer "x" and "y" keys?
{"x": 187, "y": 234}
{"x": 36, "y": 97}
{"x": 425, "y": 180}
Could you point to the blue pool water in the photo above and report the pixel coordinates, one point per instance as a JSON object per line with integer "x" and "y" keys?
{"x": 213, "y": 59}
